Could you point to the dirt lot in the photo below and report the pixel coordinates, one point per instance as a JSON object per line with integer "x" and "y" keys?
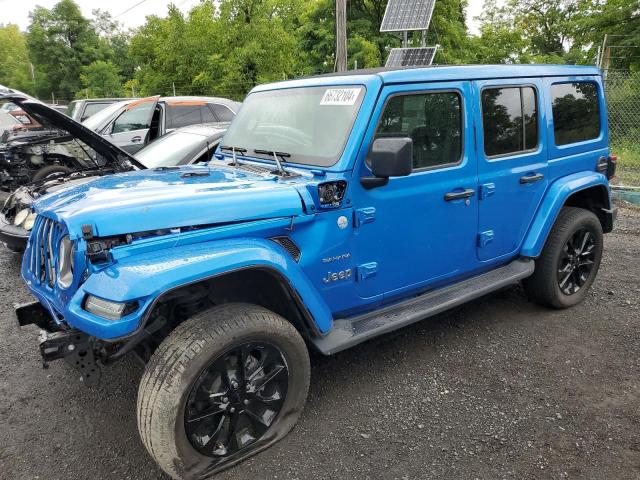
{"x": 500, "y": 388}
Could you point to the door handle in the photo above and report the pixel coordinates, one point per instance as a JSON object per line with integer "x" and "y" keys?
{"x": 469, "y": 192}
{"x": 532, "y": 178}
{"x": 136, "y": 139}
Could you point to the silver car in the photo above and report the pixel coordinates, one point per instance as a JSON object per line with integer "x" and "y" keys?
{"x": 134, "y": 123}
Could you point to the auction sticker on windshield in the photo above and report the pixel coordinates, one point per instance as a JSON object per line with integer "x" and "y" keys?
{"x": 340, "y": 96}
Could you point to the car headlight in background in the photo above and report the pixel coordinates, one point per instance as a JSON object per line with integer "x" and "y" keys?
{"x": 21, "y": 216}
{"x": 29, "y": 221}
{"x": 108, "y": 309}
{"x": 65, "y": 262}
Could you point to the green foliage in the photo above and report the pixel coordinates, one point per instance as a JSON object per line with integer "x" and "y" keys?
{"x": 14, "y": 61}
{"x": 60, "y": 41}
{"x": 100, "y": 79}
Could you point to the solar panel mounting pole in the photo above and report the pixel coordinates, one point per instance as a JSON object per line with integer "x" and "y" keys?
{"x": 341, "y": 35}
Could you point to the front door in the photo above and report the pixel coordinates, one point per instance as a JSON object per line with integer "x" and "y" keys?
{"x": 418, "y": 230}
{"x": 130, "y": 129}
{"x": 512, "y": 163}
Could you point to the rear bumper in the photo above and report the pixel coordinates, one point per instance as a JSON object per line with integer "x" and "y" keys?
{"x": 15, "y": 238}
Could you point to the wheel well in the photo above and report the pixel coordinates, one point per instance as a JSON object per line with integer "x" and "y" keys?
{"x": 595, "y": 199}
{"x": 257, "y": 285}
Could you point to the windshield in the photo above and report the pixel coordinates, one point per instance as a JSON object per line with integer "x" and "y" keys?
{"x": 171, "y": 149}
{"x": 96, "y": 121}
{"x": 312, "y": 123}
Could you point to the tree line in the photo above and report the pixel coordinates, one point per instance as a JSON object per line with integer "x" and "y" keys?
{"x": 226, "y": 47}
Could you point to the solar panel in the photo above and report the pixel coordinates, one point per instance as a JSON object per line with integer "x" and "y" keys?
{"x": 402, "y": 15}
{"x": 411, "y": 57}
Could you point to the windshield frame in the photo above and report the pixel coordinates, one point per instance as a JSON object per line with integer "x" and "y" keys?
{"x": 295, "y": 158}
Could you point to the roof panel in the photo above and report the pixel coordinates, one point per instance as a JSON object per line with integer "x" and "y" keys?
{"x": 403, "y": 15}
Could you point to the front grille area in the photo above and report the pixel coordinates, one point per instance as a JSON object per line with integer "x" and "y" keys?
{"x": 43, "y": 250}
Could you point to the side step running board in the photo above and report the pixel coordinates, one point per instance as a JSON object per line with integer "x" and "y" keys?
{"x": 349, "y": 332}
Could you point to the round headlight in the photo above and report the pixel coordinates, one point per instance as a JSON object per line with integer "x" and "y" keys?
{"x": 28, "y": 223}
{"x": 21, "y": 216}
{"x": 65, "y": 262}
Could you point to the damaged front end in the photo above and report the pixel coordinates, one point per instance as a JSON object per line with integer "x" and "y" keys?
{"x": 85, "y": 353}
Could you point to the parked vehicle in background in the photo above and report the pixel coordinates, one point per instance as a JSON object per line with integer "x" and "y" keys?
{"x": 130, "y": 124}
{"x": 73, "y": 144}
{"x": 27, "y": 122}
{"x": 80, "y": 110}
{"x": 8, "y": 106}
{"x": 58, "y": 107}
{"x": 338, "y": 208}
{"x": 184, "y": 146}
{"x": 134, "y": 124}
{"x": 7, "y": 123}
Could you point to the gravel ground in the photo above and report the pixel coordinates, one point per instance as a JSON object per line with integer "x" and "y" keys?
{"x": 499, "y": 388}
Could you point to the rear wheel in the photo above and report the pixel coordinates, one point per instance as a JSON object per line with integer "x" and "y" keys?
{"x": 45, "y": 172}
{"x": 222, "y": 386}
{"x": 569, "y": 261}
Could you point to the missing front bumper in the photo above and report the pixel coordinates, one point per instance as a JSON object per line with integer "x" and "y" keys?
{"x": 75, "y": 347}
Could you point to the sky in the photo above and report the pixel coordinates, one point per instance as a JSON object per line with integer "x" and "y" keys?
{"x": 132, "y": 13}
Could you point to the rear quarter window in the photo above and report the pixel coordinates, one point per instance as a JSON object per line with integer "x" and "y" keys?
{"x": 576, "y": 112}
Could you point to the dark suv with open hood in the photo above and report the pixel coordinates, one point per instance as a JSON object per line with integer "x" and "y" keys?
{"x": 92, "y": 154}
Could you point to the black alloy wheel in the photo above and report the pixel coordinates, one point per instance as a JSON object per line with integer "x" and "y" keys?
{"x": 576, "y": 261}
{"x": 236, "y": 399}
{"x": 568, "y": 264}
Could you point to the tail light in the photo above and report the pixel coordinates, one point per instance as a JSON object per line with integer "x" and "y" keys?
{"x": 607, "y": 166}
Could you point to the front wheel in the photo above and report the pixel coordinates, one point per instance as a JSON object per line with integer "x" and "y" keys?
{"x": 569, "y": 261}
{"x": 224, "y": 385}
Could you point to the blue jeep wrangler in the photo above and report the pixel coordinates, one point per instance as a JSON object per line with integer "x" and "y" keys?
{"x": 338, "y": 208}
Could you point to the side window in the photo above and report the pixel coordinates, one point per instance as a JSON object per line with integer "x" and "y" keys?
{"x": 207, "y": 114}
{"x": 183, "y": 115}
{"x": 222, "y": 112}
{"x": 576, "y": 112}
{"x": 91, "y": 109}
{"x": 509, "y": 120}
{"x": 136, "y": 118}
{"x": 432, "y": 120}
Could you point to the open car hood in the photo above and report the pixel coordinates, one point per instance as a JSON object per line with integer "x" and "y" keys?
{"x": 45, "y": 115}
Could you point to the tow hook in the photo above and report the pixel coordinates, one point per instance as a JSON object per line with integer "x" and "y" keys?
{"x": 76, "y": 348}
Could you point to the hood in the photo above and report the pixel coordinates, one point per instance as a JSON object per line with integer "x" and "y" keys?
{"x": 159, "y": 199}
{"x": 51, "y": 117}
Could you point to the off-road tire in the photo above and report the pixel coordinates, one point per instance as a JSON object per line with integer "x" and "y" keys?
{"x": 184, "y": 355}
{"x": 44, "y": 172}
{"x": 543, "y": 286}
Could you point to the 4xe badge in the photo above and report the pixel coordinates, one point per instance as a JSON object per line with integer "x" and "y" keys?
{"x": 335, "y": 276}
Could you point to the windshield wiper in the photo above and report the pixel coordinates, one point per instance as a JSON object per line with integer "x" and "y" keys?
{"x": 275, "y": 155}
{"x": 233, "y": 151}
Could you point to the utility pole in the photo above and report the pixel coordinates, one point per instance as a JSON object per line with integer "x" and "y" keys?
{"x": 606, "y": 55}
{"x": 174, "y": 88}
{"x": 341, "y": 35}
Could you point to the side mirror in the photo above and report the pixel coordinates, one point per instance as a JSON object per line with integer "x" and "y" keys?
{"x": 388, "y": 157}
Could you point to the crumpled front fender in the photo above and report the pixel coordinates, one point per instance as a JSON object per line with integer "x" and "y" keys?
{"x": 145, "y": 277}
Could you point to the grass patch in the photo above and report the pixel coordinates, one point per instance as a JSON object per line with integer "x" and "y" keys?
{"x": 628, "y": 170}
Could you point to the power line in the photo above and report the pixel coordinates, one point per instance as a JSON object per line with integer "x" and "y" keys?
{"x": 130, "y": 8}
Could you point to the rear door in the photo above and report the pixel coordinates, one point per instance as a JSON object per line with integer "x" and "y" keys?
{"x": 512, "y": 162}
{"x": 130, "y": 129}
